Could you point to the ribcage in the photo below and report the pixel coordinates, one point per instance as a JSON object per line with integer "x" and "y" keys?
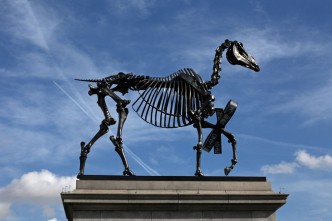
{"x": 165, "y": 102}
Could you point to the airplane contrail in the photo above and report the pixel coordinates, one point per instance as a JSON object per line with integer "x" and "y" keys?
{"x": 73, "y": 100}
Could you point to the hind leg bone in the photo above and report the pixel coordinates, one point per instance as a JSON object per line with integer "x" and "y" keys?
{"x": 103, "y": 128}
{"x": 123, "y": 112}
{"x": 232, "y": 140}
{"x": 85, "y": 149}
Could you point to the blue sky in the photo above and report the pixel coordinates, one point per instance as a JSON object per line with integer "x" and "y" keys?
{"x": 282, "y": 124}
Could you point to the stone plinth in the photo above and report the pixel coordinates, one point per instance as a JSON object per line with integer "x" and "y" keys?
{"x": 172, "y": 198}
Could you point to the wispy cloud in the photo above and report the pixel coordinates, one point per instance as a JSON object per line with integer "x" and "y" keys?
{"x": 282, "y": 143}
{"x": 28, "y": 26}
{"x": 314, "y": 104}
{"x": 32, "y": 102}
{"x": 307, "y": 68}
{"x": 141, "y": 7}
{"x": 269, "y": 43}
{"x": 28, "y": 118}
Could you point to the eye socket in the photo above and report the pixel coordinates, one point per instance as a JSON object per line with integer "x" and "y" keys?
{"x": 241, "y": 50}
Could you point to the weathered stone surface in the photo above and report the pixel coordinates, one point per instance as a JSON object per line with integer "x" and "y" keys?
{"x": 172, "y": 198}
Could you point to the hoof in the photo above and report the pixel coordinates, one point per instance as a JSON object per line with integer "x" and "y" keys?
{"x": 128, "y": 172}
{"x": 79, "y": 175}
{"x": 227, "y": 170}
{"x": 199, "y": 173}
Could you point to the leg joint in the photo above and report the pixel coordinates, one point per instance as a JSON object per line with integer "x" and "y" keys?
{"x": 232, "y": 140}
{"x": 85, "y": 149}
{"x": 121, "y": 106}
{"x": 103, "y": 127}
{"x": 117, "y": 142}
{"x": 108, "y": 121}
{"x": 198, "y": 148}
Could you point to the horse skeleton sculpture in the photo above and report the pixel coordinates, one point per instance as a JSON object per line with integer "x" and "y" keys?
{"x": 178, "y": 100}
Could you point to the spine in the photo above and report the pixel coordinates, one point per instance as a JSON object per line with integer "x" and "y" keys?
{"x": 216, "y": 70}
{"x": 89, "y": 80}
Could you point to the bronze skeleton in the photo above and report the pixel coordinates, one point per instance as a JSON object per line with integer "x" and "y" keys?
{"x": 178, "y": 100}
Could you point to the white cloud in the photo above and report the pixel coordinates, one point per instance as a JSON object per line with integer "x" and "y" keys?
{"x": 281, "y": 168}
{"x": 37, "y": 188}
{"x": 4, "y": 209}
{"x": 321, "y": 162}
{"x": 302, "y": 158}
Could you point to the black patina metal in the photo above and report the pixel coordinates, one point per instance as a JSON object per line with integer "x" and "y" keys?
{"x": 178, "y": 100}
